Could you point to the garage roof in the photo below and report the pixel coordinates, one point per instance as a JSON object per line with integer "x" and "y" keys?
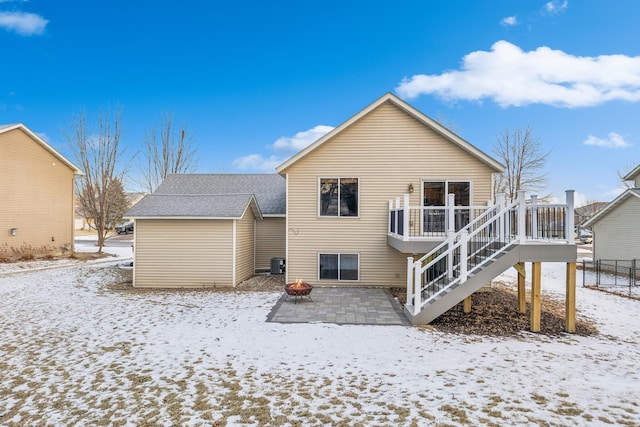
{"x": 203, "y": 206}
{"x": 269, "y": 189}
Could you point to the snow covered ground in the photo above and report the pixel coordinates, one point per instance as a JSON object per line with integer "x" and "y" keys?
{"x": 75, "y": 352}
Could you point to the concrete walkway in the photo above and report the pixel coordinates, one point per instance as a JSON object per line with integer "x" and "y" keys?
{"x": 344, "y": 306}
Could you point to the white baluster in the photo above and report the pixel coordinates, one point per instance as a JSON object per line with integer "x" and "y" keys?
{"x": 534, "y": 216}
{"x": 451, "y": 214}
{"x": 406, "y": 213}
{"x": 409, "y": 279}
{"x": 570, "y": 220}
{"x": 464, "y": 238}
{"x": 522, "y": 208}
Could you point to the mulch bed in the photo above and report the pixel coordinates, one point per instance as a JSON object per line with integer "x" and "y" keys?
{"x": 495, "y": 313}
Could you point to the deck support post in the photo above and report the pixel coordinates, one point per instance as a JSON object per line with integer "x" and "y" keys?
{"x": 570, "y": 302}
{"x": 467, "y": 305}
{"x": 522, "y": 296}
{"x": 536, "y": 271}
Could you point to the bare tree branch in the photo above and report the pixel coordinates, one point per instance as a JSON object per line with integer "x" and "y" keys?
{"x": 524, "y": 162}
{"x": 622, "y": 173}
{"x": 166, "y": 151}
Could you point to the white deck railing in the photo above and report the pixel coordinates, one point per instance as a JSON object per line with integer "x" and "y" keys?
{"x": 540, "y": 221}
{"x": 429, "y": 222}
{"x": 468, "y": 249}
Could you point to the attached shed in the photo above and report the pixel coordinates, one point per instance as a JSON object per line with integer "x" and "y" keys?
{"x": 187, "y": 241}
{"x": 202, "y": 230}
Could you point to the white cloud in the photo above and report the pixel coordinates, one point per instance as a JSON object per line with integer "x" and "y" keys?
{"x": 509, "y": 21}
{"x": 556, "y": 6}
{"x": 300, "y": 139}
{"x": 23, "y": 23}
{"x": 285, "y": 146}
{"x": 613, "y": 140}
{"x": 614, "y": 192}
{"x": 257, "y": 162}
{"x": 512, "y": 77}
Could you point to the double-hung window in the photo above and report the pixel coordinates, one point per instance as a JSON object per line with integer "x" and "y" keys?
{"x": 339, "y": 197}
{"x": 339, "y": 266}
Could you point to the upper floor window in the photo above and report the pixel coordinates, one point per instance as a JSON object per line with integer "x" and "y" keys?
{"x": 435, "y": 192}
{"x": 339, "y": 197}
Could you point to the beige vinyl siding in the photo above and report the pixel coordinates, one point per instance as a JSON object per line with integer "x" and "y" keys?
{"x": 245, "y": 240}
{"x": 387, "y": 150}
{"x": 617, "y": 234}
{"x": 270, "y": 241}
{"x": 183, "y": 253}
{"x": 36, "y": 193}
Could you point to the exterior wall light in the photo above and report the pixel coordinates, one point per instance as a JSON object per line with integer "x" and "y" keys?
{"x": 410, "y": 188}
{"x": 13, "y": 231}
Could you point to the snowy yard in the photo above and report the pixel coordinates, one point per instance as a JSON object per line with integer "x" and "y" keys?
{"x": 73, "y": 351}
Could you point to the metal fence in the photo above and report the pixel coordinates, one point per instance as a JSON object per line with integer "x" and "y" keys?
{"x": 612, "y": 273}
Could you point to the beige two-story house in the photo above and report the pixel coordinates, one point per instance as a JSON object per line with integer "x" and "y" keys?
{"x": 388, "y": 198}
{"x": 339, "y": 188}
{"x": 37, "y": 192}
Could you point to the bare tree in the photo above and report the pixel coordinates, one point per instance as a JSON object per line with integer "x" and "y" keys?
{"x": 449, "y": 124}
{"x": 166, "y": 151}
{"x": 99, "y": 191}
{"x": 521, "y": 153}
{"x": 624, "y": 172}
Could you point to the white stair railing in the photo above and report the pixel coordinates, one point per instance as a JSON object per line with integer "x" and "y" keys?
{"x": 447, "y": 265}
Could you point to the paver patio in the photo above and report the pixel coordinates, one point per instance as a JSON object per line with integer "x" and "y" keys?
{"x": 342, "y": 306}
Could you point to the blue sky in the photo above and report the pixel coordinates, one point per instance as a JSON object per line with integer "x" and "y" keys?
{"x": 255, "y": 81}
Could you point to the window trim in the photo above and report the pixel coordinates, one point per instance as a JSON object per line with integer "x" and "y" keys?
{"x": 318, "y": 189}
{"x": 338, "y": 279}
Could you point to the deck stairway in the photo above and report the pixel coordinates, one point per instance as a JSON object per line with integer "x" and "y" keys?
{"x": 471, "y": 257}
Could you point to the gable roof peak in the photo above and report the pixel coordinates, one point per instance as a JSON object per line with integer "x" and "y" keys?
{"x": 407, "y": 108}
{"x": 631, "y": 176}
{"x": 42, "y": 142}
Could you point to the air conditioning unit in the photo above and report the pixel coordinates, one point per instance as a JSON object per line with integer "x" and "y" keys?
{"x": 277, "y": 266}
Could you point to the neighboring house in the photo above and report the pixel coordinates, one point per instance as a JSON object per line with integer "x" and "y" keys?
{"x": 208, "y": 230}
{"x": 616, "y": 228}
{"x": 388, "y": 198}
{"x": 37, "y": 191}
{"x": 84, "y": 221}
{"x": 583, "y": 213}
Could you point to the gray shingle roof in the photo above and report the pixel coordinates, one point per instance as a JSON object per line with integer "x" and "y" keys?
{"x": 195, "y": 205}
{"x": 269, "y": 189}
